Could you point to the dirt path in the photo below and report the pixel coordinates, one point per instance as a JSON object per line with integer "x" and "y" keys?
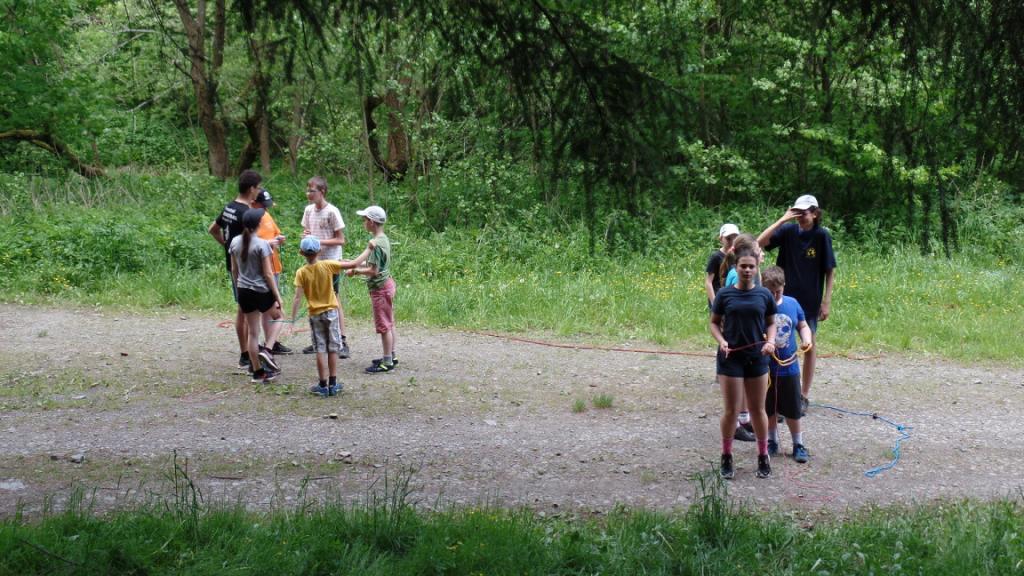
{"x": 481, "y": 421}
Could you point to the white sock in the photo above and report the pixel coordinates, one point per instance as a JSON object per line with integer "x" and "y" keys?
{"x": 744, "y": 417}
{"x": 773, "y": 435}
{"x": 798, "y": 438}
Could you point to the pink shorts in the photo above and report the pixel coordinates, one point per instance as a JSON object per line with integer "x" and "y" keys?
{"x": 383, "y": 299}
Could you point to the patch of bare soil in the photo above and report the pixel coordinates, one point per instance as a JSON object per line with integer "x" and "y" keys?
{"x": 101, "y": 401}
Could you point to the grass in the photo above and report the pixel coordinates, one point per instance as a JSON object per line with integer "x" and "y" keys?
{"x": 184, "y": 534}
{"x": 519, "y": 277}
{"x": 579, "y": 406}
{"x": 602, "y": 401}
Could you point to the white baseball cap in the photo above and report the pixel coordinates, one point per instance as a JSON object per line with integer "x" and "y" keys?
{"x": 728, "y": 230}
{"x": 806, "y": 201}
{"x": 375, "y": 213}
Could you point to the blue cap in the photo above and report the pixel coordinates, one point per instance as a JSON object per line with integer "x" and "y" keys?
{"x": 309, "y": 245}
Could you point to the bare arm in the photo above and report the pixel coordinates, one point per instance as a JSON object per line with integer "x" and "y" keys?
{"x": 709, "y": 287}
{"x": 217, "y": 232}
{"x": 296, "y": 301}
{"x": 268, "y": 276}
{"x": 806, "y": 337}
{"x": 716, "y": 331}
{"x": 766, "y": 236}
{"x": 826, "y": 301}
{"x": 769, "y": 336}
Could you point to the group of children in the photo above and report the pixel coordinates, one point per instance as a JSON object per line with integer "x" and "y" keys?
{"x": 252, "y": 241}
{"x": 756, "y": 317}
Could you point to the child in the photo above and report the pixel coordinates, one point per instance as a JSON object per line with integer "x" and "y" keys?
{"x": 269, "y": 231}
{"x": 715, "y": 272}
{"x": 784, "y": 379}
{"x": 713, "y": 276}
{"x": 254, "y": 276}
{"x": 377, "y": 260}
{"x": 743, "y": 323}
{"x": 323, "y": 220}
{"x": 226, "y": 227}
{"x": 805, "y": 254}
{"x": 314, "y": 282}
{"x": 729, "y": 263}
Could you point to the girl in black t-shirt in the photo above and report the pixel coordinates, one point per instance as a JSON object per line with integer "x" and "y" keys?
{"x": 743, "y": 323}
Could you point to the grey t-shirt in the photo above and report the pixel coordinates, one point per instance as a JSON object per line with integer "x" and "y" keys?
{"x": 250, "y": 270}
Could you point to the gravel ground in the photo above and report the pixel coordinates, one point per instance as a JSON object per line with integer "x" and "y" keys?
{"x": 102, "y": 401}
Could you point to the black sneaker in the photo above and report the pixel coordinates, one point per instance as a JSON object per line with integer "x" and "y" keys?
{"x": 379, "y": 368}
{"x": 726, "y": 469}
{"x": 281, "y": 349}
{"x": 748, "y": 426}
{"x": 394, "y": 361}
{"x": 263, "y": 375}
{"x": 743, "y": 435}
{"x": 309, "y": 350}
{"x": 764, "y": 466}
{"x": 243, "y": 361}
{"x": 268, "y": 359}
{"x": 344, "y": 353}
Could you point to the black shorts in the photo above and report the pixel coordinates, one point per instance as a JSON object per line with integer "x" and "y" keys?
{"x": 783, "y": 393}
{"x": 251, "y": 300}
{"x": 739, "y": 365}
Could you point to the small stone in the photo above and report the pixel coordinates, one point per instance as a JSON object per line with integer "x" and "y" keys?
{"x": 490, "y": 422}
{"x": 977, "y": 381}
{"x": 78, "y": 397}
{"x": 333, "y": 415}
{"x": 702, "y": 415}
{"x": 77, "y": 458}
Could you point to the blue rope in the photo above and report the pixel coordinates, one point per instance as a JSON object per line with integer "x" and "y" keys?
{"x": 902, "y": 429}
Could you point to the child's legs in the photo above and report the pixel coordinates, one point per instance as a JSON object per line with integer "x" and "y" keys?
{"x": 756, "y": 387}
{"x": 332, "y": 365}
{"x": 252, "y": 320}
{"x": 271, "y": 325}
{"x": 732, "y": 393}
{"x": 794, "y": 425}
{"x": 242, "y": 331}
{"x": 383, "y": 301}
{"x": 322, "y": 360}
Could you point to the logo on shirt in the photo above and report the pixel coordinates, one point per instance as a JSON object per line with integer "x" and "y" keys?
{"x": 811, "y": 253}
{"x": 783, "y": 331}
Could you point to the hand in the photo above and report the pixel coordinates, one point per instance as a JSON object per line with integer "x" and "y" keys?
{"x": 350, "y": 272}
{"x": 724, "y": 347}
{"x": 280, "y": 239}
{"x": 792, "y": 214}
{"x": 806, "y": 346}
{"x": 768, "y": 349}
{"x": 824, "y": 311}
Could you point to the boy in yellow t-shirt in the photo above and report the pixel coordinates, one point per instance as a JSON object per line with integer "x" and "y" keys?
{"x": 315, "y": 282}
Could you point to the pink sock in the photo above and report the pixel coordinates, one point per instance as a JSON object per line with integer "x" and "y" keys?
{"x": 762, "y": 447}
{"x": 727, "y": 445}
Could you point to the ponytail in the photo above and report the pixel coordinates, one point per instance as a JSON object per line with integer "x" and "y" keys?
{"x": 246, "y": 236}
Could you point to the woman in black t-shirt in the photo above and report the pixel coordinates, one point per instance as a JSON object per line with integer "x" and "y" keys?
{"x": 743, "y": 324}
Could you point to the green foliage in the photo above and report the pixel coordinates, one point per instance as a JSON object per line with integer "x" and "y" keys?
{"x": 714, "y": 535}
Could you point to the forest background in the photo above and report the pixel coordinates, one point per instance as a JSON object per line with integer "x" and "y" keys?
{"x": 546, "y": 166}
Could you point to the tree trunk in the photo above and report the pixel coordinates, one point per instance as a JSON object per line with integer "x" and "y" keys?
{"x": 204, "y": 81}
{"x": 49, "y": 143}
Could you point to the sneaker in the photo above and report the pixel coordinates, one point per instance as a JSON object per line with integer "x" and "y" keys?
{"x": 334, "y": 390}
{"x": 800, "y": 454}
{"x": 281, "y": 349}
{"x": 748, "y": 426}
{"x": 394, "y": 361}
{"x": 262, "y": 376}
{"x": 804, "y": 403}
{"x": 267, "y": 358}
{"x": 726, "y": 469}
{"x": 741, "y": 433}
{"x": 243, "y": 361}
{"x": 764, "y": 466}
{"x": 379, "y": 368}
{"x": 320, "y": 390}
{"x": 773, "y": 448}
{"x": 309, "y": 350}
{"x": 344, "y": 353}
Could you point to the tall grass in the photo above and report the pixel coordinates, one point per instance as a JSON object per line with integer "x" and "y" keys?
{"x": 387, "y": 535}
{"x": 141, "y": 242}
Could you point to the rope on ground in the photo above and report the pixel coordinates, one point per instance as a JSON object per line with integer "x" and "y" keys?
{"x": 903, "y": 429}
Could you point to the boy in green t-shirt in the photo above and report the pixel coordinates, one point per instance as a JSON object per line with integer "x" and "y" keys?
{"x": 375, "y": 264}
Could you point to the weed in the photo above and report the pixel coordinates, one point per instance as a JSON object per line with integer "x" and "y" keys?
{"x": 579, "y": 406}
{"x": 602, "y": 401}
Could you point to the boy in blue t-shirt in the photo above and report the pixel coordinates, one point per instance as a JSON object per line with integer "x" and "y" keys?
{"x": 784, "y": 370}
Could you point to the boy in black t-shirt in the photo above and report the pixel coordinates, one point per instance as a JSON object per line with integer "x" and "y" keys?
{"x": 806, "y": 256}
{"x": 223, "y": 229}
